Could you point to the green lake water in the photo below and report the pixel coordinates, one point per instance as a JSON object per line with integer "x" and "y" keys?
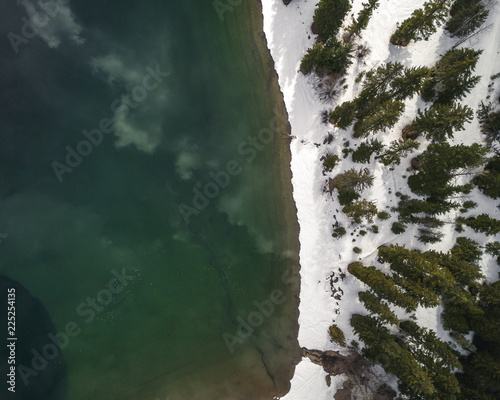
{"x": 162, "y": 334}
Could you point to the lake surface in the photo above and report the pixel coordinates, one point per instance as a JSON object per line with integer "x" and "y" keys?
{"x": 165, "y": 252}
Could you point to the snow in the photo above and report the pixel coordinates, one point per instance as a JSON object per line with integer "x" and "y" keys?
{"x": 309, "y": 382}
{"x": 288, "y": 33}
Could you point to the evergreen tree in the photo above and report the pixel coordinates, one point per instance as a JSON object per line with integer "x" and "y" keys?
{"x": 407, "y": 207}
{"x": 375, "y": 305}
{"x": 415, "y": 382}
{"x": 428, "y": 368}
{"x": 343, "y": 115}
{"x": 460, "y": 308}
{"x": 330, "y": 58}
{"x": 489, "y": 121}
{"x": 359, "y": 210}
{"x": 442, "y": 162}
{"x": 408, "y": 83}
{"x": 347, "y": 197}
{"x": 418, "y": 271}
{"x": 382, "y": 347}
{"x": 328, "y": 17}
{"x": 439, "y": 121}
{"x": 487, "y": 326}
{"x": 422, "y": 23}
{"x": 481, "y": 369}
{"x": 428, "y": 235}
{"x": 336, "y": 335}
{"x": 384, "y": 116}
{"x": 424, "y": 345}
{"x": 466, "y": 249}
{"x": 329, "y": 162}
{"x": 365, "y": 150}
{"x": 466, "y": 17}
{"x": 353, "y": 180}
{"x": 378, "y": 82}
{"x": 364, "y": 16}
{"x": 397, "y": 149}
{"x": 482, "y": 223}
{"x": 379, "y": 104}
{"x": 464, "y": 272}
{"x": 451, "y": 78}
{"x": 393, "y": 81}
{"x": 489, "y": 180}
{"x": 493, "y": 249}
{"x": 383, "y": 286}
{"x": 481, "y": 376}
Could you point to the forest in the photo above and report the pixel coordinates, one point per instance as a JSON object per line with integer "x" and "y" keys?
{"x": 441, "y": 175}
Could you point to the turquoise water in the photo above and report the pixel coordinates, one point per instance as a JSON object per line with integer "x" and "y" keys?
{"x": 141, "y": 299}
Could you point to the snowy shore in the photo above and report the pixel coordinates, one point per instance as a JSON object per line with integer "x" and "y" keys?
{"x": 288, "y": 32}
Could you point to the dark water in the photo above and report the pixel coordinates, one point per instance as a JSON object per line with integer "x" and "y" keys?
{"x": 141, "y": 299}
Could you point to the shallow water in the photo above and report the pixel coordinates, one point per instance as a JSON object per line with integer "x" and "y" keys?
{"x": 168, "y": 326}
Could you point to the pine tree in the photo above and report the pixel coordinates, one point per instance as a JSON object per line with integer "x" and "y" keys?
{"x": 463, "y": 271}
{"x": 418, "y": 271}
{"x": 482, "y": 376}
{"x": 384, "y": 116}
{"x": 409, "y": 83}
{"x": 377, "y": 306}
{"x": 467, "y": 250}
{"x": 424, "y": 345}
{"x": 442, "y": 162}
{"x": 489, "y": 121}
{"x": 493, "y": 249}
{"x": 430, "y": 207}
{"x": 353, "y": 180}
{"x": 365, "y": 150}
{"x": 359, "y": 210}
{"x": 364, "y": 16}
{"x": 451, "y": 78}
{"x": 482, "y": 223}
{"x": 383, "y": 286}
{"x": 415, "y": 380}
{"x": 330, "y": 58}
{"x": 439, "y": 121}
{"x": 343, "y": 115}
{"x": 393, "y": 81}
{"x": 379, "y": 104}
{"x": 489, "y": 180}
{"x": 481, "y": 369}
{"x": 329, "y": 15}
{"x": 422, "y": 23}
{"x": 460, "y": 308}
{"x": 397, "y": 149}
{"x": 378, "y": 82}
{"x": 466, "y": 17}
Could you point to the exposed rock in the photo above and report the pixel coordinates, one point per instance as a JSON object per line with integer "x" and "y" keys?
{"x": 314, "y": 28}
{"x": 409, "y": 133}
{"x": 360, "y": 381}
{"x": 416, "y": 163}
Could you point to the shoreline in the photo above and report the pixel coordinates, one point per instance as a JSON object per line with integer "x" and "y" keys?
{"x": 316, "y": 305}
{"x": 282, "y": 146}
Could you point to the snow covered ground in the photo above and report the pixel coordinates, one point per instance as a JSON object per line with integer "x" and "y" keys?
{"x": 288, "y": 31}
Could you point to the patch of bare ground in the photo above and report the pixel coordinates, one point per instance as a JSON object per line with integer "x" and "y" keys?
{"x": 361, "y": 383}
